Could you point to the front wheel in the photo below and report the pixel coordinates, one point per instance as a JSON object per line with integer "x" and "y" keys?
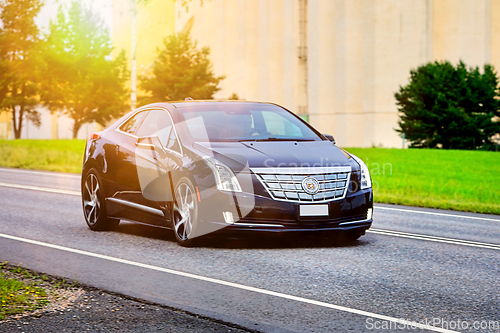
{"x": 94, "y": 206}
{"x": 353, "y": 235}
{"x": 185, "y": 212}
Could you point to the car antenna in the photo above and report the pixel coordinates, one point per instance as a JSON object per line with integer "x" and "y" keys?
{"x": 188, "y": 99}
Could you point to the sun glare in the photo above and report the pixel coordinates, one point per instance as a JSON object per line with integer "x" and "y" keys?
{"x": 49, "y": 11}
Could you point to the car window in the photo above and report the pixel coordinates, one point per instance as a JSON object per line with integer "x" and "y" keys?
{"x": 245, "y": 123}
{"x": 159, "y": 123}
{"x": 133, "y": 123}
{"x": 173, "y": 143}
{"x": 276, "y": 124}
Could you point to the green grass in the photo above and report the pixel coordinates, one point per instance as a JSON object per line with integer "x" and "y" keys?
{"x": 51, "y": 155}
{"x": 446, "y": 179}
{"x": 17, "y": 296}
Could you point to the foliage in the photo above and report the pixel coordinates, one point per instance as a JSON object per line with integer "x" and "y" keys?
{"x": 434, "y": 178}
{"x": 180, "y": 71}
{"x": 452, "y": 107}
{"x": 81, "y": 79}
{"x": 51, "y": 155}
{"x": 19, "y": 61}
{"x": 234, "y": 96}
{"x": 184, "y": 4}
{"x": 17, "y": 296}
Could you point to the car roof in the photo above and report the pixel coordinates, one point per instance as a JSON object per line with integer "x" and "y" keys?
{"x": 182, "y": 104}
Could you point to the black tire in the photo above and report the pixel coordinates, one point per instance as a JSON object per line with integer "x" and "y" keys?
{"x": 185, "y": 212}
{"x": 353, "y": 235}
{"x": 94, "y": 204}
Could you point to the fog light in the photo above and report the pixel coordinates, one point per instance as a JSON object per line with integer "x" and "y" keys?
{"x": 369, "y": 214}
{"x": 228, "y": 217}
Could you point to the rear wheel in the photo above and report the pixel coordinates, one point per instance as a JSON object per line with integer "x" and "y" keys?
{"x": 94, "y": 205}
{"x": 185, "y": 212}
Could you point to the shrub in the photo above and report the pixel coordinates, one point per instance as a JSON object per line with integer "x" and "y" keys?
{"x": 450, "y": 107}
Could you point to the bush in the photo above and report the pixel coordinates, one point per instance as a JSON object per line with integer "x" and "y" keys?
{"x": 450, "y": 107}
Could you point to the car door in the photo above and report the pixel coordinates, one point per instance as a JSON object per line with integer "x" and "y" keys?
{"x": 127, "y": 200}
{"x": 157, "y": 154}
{"x": 124, "y": 173}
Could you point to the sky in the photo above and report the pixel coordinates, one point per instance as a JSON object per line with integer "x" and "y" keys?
{"x": 49, "y": 11}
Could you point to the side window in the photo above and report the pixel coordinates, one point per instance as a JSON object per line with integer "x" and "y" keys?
{"x": 158, "y": 123}
{"x": 131, "y": 125}
{"x": 173, "y": 143}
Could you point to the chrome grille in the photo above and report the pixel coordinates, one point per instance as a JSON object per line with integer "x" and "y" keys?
{"x": 285, "y": 184}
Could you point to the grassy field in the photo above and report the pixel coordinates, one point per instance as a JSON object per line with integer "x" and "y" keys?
{"x": 51, "y": 155}
{"x": 17, "y": 296}
{"x": 447, "y": 179}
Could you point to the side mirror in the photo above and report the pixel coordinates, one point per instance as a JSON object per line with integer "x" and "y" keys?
{"x": 149, "y": 142}
{"x": 329, "y": 137}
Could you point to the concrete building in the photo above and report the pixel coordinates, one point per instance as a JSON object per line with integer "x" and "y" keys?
{"x": 339, "y": 61}
{"x": 336, "y": 62}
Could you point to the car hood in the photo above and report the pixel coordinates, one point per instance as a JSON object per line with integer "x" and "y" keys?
{"x": 278, "y": 154}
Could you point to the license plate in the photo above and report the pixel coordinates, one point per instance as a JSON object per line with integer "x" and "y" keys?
{"x": 313, "y": 210}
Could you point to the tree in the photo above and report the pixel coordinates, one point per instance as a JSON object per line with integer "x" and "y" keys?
{"x": 81, "y": 78}
{"x": 133, "y": 62}
{"x": 448, "y": 106}
{"x": 19, "y": 61}
{"x": 180, "y": 71}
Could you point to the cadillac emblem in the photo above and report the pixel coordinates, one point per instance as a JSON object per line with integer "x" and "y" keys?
{"x": 310, "y": 185}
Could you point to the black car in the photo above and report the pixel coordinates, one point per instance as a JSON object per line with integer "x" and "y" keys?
{"x": 199, "y": 167}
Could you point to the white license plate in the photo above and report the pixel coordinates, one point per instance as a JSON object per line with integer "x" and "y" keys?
{"x": 313, "y": 210}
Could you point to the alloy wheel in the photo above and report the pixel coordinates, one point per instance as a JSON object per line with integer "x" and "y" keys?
{"x": 184, "y": 207}
{"x": 91, "y": 203}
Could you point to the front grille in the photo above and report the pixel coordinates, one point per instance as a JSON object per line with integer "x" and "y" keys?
{"x": 285, "y": 184}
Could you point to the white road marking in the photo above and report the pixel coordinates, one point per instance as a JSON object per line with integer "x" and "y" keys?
{"x": 45, "y": 173}
{"x": 434, "y": 238}
{"x": 38, "y": 188}
{"x": 232, "y": 284}
{"x": 438, "y": 214}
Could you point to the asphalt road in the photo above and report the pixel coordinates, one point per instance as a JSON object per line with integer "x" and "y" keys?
{"x": 420, "y": 265}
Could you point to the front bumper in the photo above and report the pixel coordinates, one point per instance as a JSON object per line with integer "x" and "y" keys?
{"x": 253, "y": 212}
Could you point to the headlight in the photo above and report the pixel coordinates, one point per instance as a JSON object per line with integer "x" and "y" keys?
{"x": 224, "y": 176}
{"x": 366, "y": 181}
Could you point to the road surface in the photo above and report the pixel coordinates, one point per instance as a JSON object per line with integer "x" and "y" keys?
{"x": 431, "y": 269}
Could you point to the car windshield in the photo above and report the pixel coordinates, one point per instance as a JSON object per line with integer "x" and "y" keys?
{"x": 237, "y": 122}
